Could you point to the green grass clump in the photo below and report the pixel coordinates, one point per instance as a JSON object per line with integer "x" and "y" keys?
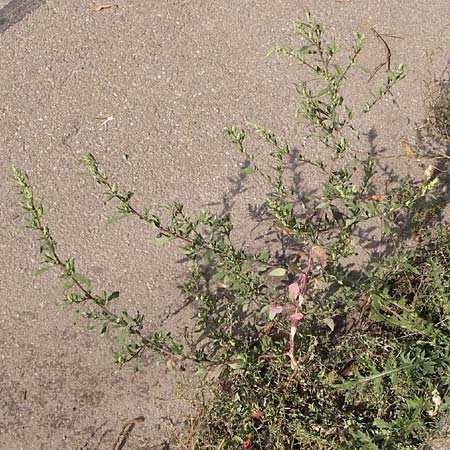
{"x": 366, "y": 384}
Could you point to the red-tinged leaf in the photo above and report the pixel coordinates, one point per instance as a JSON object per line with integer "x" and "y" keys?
{"x": 274, "y": 310}
{"x": 293, "y": 291}
{"x": 257, "y": 415}
{"x": 247, "y": 444}
{"x": 296, "y": 317}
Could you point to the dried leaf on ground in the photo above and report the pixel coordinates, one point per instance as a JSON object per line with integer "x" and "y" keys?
{"x": 408, "y": 149}
{"x": 98, "y": 8}
{"x": 104, "y": 119}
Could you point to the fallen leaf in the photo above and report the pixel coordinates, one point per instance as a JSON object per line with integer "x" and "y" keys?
{"x": 282, "y": 230}
{"x": 98, "y": 8}
{"x": 377, "y": 198}
{"x": 315, "y": 283}
{"x": 437, "y": 401}
{"x": 408, "y": 149}
{"x": 319, "y": 253}
{"x": 103, "y": 117}
{"x": 429, "y": 172}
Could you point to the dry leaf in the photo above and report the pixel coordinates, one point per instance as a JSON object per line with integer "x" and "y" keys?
{"x": 377, "y": 198}
{"x": 349, "y": 369}
{"x": 105, "y": 116}
{"x": 293, "y": 266}
{"x": 282, "y": 230}
{"x": 104, "y": 119}
{"x": 319, "y": 253}
{"x": 408, "y": 149}
{"x": 416, "y": 237}
{"x": 293, "y": 291}
{"x": 429, "y": 172}
{"x": 315, "y": 283}
{"x": 98, "y": 8}
{"x": 364, "y": 301}
{"x": 437, "y": 401}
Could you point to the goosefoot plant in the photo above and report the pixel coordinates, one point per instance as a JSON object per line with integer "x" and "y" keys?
{"x": 297, "y": 352}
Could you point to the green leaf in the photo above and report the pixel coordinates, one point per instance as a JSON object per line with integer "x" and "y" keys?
{"x": 115, "y": 219}
{"x": 160, "y": 241}
{"x": 238, "y": 363}
{"x": 200, "y": 372}
{"x": 329, "y": 322}
{"x": 386, "y": 228}
{"x": 171, "y": 367}
{"x": 113, "y": 296}
{"x": 67, "y": 286}
{"x": 277, "y": 272}
{"x": 247, "y": 171}
{"x": 82, "y": 280}
{"x": 323, "y": 92}
{"x": 218, "y": 276}
{"x": 40, "y": 271}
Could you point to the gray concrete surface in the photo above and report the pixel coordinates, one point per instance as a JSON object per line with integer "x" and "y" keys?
{"x": 173, "y": 73}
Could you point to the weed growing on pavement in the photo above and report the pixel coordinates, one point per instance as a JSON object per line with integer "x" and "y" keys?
{"x": 297, "y": 352}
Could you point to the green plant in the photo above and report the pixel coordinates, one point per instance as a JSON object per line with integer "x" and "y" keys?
{"x": 297, "y": 352}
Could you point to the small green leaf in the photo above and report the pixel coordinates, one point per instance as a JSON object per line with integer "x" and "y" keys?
{"x": 115, "y": 219}
{"x": 160, "y": 241}
{"x": 171, "y": 366}
{"x": 40, "y": 271}
{"x": 82, "y": 280}
{"x": 386, "y": 228}
{"x": 113, "y": 296}
{"x": 329, "y": 322}
{"x": 238, "y": 363}
{"x": 247, "y": 171}
{"x": 200, "y": 372}
{"x": 277, "y": 272}
{"x": 323, "y": 92}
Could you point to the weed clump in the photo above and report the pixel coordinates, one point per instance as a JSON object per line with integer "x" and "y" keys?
{"x": 296, "y": 351}
{"x": 437, "y": 108}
